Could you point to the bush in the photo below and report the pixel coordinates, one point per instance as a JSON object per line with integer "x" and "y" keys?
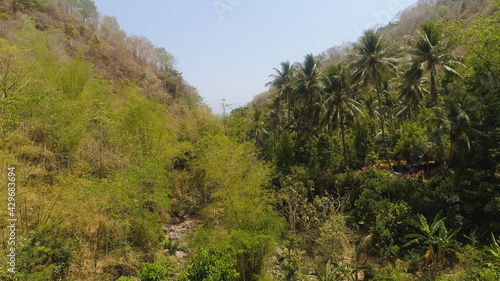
{"x": 284, "y": 152}
{"x": 329, "y": 151}
{"x": 470, "y": 258}
{"x": 123, "y": 278}
{"x": 367, "y": 207}
{"x": 213, "y": 264}
{"x": 333, "y": 243}
{"x": 390, "y": 228}
{"x": 443, "y": 11}
{"x": 251, "y": 250}
{"x": 152, "y": 272}
{"x": 45, "y": 253}
{"x": 289, "y": 266}
{"x": 447, "y": 278}
{"x": 4, "y": 16}
{"x": 70, "y": 31}
{"x": 395, "y": 272}
{"x": 412, "y": 142}
{"x": 145, "y": 231}
{"x": 388, "y": 222}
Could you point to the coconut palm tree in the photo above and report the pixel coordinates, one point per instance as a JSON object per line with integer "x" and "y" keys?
{"x": 308, "y": 88}
{"x": 429, "y": 52}
{"x": 282, "y": 81}
{"x": 370, "y": 63}
{"x": 276, "y": 117}
{"x": 453, "y": 119}
{"x": 411, "y": 93}
{"x": 370, "y": 103}
{"x": 340, "y": 106}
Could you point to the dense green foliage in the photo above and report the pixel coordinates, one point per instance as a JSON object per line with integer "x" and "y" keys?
{"x": 337, "y": 174}
{"x": 214, "y": 264}
{"x": 392, "y": 133}
{"x": 152, "y": 272}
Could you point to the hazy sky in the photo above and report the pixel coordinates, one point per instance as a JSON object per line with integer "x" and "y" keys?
{"x": 228, "y": 48}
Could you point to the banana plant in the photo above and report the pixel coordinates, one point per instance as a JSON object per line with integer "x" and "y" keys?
{"x": 494, "y": 249}
{"x": 435, "y": 235}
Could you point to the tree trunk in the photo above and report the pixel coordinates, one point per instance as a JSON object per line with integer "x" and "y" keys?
{"x": 289, "y": 106}
{"x": 433, "y": 85}
{"x": 382, "y": 121}
{"x": 343, "y": 137}
{"x": 291, "y": 217}
{"x": 415, "y": 102}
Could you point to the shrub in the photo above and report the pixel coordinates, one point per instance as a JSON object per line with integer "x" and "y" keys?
{"x": 333, "y": 243}
{"x": 4, "y": 16}
{"x": 390, "y": 227}
{"x": 289, "y": 266}
{"x": 210, "y": 265}
{"x": 45, "y": 253}
{"x": 145, "y": 230}
{"x": 329, "y": 151}
{"x": 443, "y": 11}
{"x": 412, "y": 142}
{"x": 152, "y": 272}
{"x": 70, "y": 31}
{"x": 251, "y": 250}
{"x": 388, "y": 221}
{"x": 123, "y": 278}
{"x": 284, "y": 152}
{"x": 395, "y": 272}
{"x": 368, "y": 206}
{"x": 470, "y": 258}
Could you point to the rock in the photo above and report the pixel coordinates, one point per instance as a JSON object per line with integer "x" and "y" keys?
{"x": 180, "y": 254}
{"x": 179, "y": 231}
{"x": 278, "y": 251}
{"x": 181, "y": 214}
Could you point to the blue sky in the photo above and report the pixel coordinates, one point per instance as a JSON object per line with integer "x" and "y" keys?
{"x": 228, "y": 48}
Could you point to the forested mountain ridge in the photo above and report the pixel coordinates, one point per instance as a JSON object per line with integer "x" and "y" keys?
{"x": 408, "y": 21}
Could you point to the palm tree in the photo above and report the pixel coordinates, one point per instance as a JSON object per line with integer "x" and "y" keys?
{"x": 340, "y": 106}
{"x": 370, "y": 61}
{"x": 389, "y": 100}
{"x": 275, "y": 116}
{"x": 370, "y": 102}
{"x": 411, "y": 93}
{"x": 308, "y": 88}
{"x": 282, "y": 81}
{"x": 453, "y": 119}
{"x": 428, "y": 52}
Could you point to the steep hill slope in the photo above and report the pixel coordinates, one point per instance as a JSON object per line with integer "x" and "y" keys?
{"x": 103, "y": 138}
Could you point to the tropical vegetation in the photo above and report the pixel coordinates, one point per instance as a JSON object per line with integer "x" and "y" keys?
{"x": 334, "y": 173}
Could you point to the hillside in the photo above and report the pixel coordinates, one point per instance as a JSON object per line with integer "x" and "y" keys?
{"x": 105, "y": 142}
{"x": 409, "y": 20}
